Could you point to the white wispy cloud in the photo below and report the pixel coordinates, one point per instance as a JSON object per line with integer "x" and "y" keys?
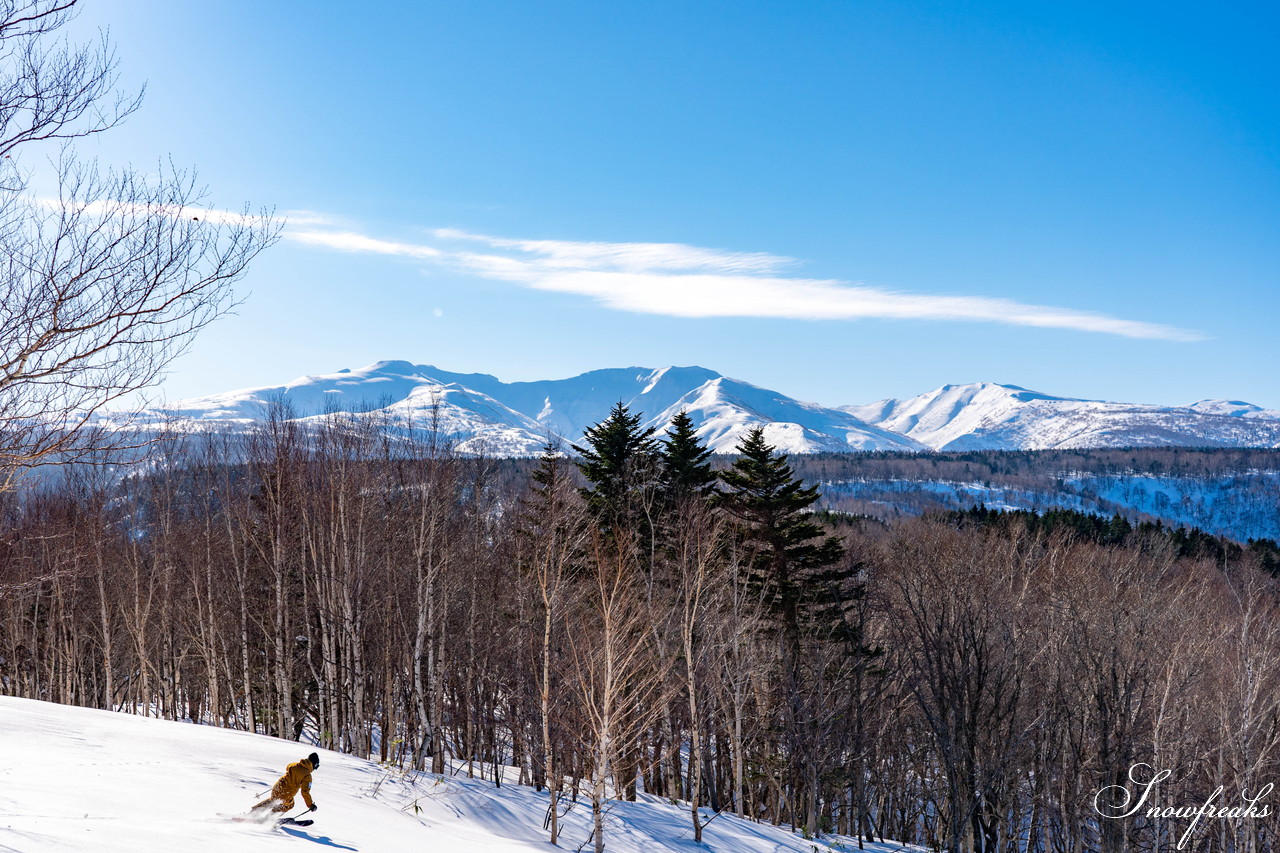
{"x": 299, "y": 218}
{"x": 679, "y": 280}
{"x": 627, "y": 257}
{"x": 350, "y": 241}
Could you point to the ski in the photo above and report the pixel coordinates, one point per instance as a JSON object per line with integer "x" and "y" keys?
{"x": 291, "y": 822}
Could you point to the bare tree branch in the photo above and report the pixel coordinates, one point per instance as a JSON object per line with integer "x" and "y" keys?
{"x": 106, "y": 284}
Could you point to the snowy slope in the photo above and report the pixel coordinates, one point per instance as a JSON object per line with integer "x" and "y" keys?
{"x": 990, "y": 416}
{"x": 569, "y": 406}
{"x": 412, "y": 394}
{"x": 725, "y": 409}
{"x": 516, "y": 419}
{"x": 1233, "y": 408}
{"x": 950, "y": 413}
{"x": 85, "y": 780}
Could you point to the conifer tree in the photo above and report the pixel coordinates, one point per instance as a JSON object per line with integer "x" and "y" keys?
{"x": 793, "y": 563}
{"x": 686, "y": 465}
{"x": 799, "y": 572}
{"x": 621, "y": 463}
{"x": 548, "y": 504}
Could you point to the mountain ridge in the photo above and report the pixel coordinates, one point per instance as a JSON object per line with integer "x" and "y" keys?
{"x": 995, "y": 416}
{"x": 481, "y": 413}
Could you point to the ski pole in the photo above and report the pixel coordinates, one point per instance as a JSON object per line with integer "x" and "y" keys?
{"x": 299, "y": 814}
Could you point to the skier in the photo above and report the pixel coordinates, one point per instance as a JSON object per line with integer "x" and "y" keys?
{"x": 296, "y": 779}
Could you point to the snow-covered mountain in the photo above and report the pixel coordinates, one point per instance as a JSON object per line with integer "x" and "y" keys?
{"x": 990, "y": 416}
{"x": 412, "y": 395}
{"x": 1234, "y": 408}
{"x": 478, "y": 411}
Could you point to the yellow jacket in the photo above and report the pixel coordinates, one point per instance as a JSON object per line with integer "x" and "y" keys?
{"x": 296, "y": 778}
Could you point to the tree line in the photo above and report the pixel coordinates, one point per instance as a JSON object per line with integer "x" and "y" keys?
{"x": 633, "y": 616}
{"x": 1231, "y": 491}
{"x": 1026, "y": 467}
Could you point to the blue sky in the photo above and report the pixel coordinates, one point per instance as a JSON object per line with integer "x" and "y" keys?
{"x": 843, "y": 201}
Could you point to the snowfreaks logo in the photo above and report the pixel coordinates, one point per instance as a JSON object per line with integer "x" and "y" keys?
{"x": 1116, "y": 802}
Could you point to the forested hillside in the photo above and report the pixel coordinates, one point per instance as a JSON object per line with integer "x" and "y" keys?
{"x": 633, "y": 621}
{"x": 1226, "y": 492}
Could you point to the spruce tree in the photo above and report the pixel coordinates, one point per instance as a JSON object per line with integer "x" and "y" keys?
{"x": 793, "y": 563}
{"x": 620, "y": 462}
{"x": 797, "y": 570}
{"x": 546, "y": 509}
{"x": 686, "y": 463}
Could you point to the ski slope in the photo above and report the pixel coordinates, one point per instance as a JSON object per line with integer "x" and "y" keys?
{"x": 86, "y": 780}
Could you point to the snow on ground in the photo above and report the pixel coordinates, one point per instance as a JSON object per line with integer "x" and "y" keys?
{"x": 1241, "y": 506}
{"x": 86, "y": 780}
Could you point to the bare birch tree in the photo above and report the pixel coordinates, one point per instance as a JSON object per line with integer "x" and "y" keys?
{"x": 618, "y": 685}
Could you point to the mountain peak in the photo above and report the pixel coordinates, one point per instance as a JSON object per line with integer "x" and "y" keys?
{"x": 392, "y": 366}
{"x": 995, "y": 416}
{"x": 478, "y": 410}
{"x": 516, "y": 418}
{"x": 1232, "y": 408}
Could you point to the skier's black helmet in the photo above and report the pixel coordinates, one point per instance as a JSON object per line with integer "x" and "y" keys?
{"x": 314, "y": 759}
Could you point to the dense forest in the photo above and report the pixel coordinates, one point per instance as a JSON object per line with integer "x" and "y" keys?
{"x": 631, "y": 617}
{"x": 1232, "y": 492}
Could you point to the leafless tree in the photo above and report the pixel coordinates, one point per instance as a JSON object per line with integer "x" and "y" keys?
{"x": 336, "y": 580}
{"x": 108, "y": 279}
{"x": 617, "y": 682}
{"x": 553, "y": 528}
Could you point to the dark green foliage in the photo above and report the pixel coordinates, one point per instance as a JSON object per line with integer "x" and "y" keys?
{"x": 545, "y": 510}
{"x": 1085, "y": 526}
{"x": 621, "y": 464}
{"x": 550, "y": 474}
{"x": 1117, "y": 532}
{"x": 1267, "y": 553}
{"x": 686, "y": 465}
{"x": 793, "y": 563}
{"x": 808, "y": 588}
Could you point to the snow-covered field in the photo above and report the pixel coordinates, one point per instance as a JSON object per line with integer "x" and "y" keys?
{"x": 86, "y": 780}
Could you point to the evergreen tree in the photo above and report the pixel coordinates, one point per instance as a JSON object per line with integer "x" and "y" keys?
{"x": 621, "y": 464}
{"x": 547, "y": 507}
{"x": 793, "y": 563}
{"x": 801, "y": 575}
{"x": 686, "y": 465}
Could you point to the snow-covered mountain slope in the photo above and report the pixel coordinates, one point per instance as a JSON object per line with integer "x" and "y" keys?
{"x": 566, "y": 407}
{"x": 104, "y": 782}
{"x": 990, "y": 416}
{"x": 725, "y": 409}
{"x": 414, "y": 396}
{"x": 479, "y": 411}
{"x": 1234, "y": 408}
